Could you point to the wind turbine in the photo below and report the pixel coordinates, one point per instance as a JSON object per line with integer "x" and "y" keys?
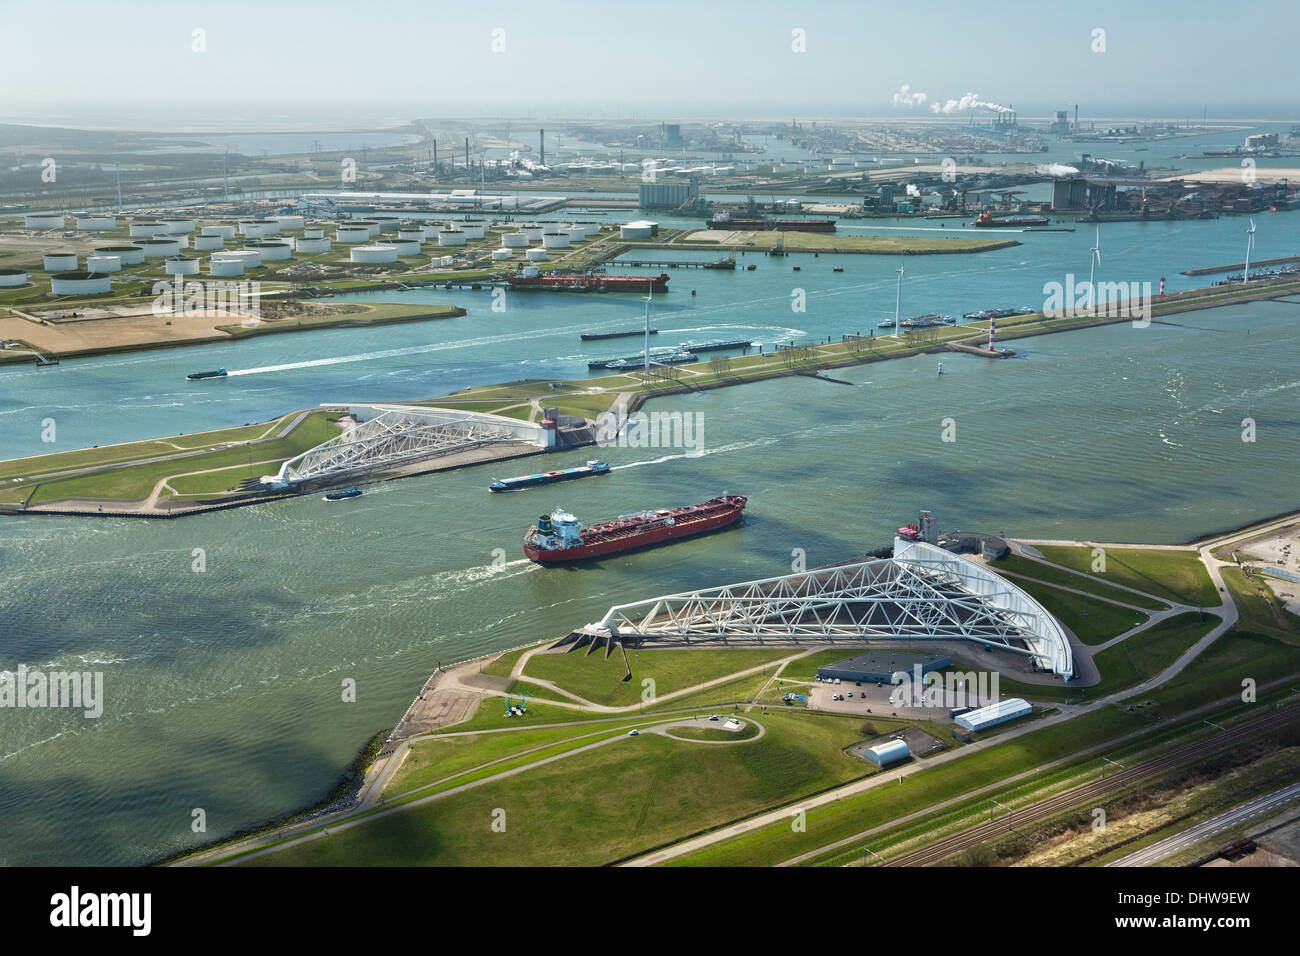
{"x": 1250, "y": 244}
{"x": 1092, "y": 271}
{"x": 898, "y": 301}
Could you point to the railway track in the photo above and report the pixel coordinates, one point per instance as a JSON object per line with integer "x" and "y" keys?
{"x": 1093, "y": 790}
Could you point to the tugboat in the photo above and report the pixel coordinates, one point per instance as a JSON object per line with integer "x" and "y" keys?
{"x": 559, "y": 537}
{"x": 215, "y": 373}
{"x": 341, "y": 495}
{"x": 547, "y": 477}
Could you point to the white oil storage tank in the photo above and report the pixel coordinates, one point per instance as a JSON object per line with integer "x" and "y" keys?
{"x": 272, "y": 250}
{"x": 404, "y": 247}
{"x": 352, "y": 233}
{"x": 178, "y": 227}
{"x": 451, "y": 237}
{"x": 536, "y": 255}
{"x": 372, "y": 225}
{"x": 43, "y": 220}
{"x": 501, "y": 254}
{"x": 555, "y": 240}
{"x": 181, "y": 266}
{"x": 313, "y": 232}
{"x": 474, "y": 228}
{"x": 129, "y": 255}
{"x": 146, "y": 228}
{"x": 159, "y": 248}
{"x": 269, "y": 227}
{"x": 12, "y": 278}
{"x": 309, "y": 245}
{"x": 375, "y": 253}
{"x": 251, "y": 258}
{"x": 576, "y": 233}
{"x": 103, "y": 264}
{"x": 226, "y": 230}
{"x": 208, "y": 243}
{"x": 61, "y": 260}
{"x": 514, "y": 240}
{"x": 94, "y": 221}
{"x": 225, "y": 267}
{"x": 413, "y": 233}
{"x": 250, "y": 229}
{"x": 533, "y": 231}
{"x": 291, "y": 223}
{"x": 80, "y": 283}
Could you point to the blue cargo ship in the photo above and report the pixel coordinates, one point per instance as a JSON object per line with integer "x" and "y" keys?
{"x": 547, "y": 477}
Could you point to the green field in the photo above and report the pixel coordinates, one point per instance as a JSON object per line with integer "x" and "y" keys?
{"x": 1259, "y": 608}
{"x": 1016, "y": 564}
{"x": 600, "y": 680}
{"x": 1092, "y": 620}
{"x": 1174, "y": 575}
{"x": 625, "y": 797}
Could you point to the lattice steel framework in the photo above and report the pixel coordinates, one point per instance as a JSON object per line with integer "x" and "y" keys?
{"x": 395, "y": 435}
{"x": 922, "y": 592}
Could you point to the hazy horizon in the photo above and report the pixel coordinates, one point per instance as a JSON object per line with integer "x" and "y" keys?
{"x": 140, "y": 64}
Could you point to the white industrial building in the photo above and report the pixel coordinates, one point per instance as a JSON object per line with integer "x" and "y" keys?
{"x": 888, "y": 752}
{"x": 1013, "y": 708}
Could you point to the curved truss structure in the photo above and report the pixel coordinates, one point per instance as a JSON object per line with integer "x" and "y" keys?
{"x": 921, "y": 592}
{"x": 394, "y": 434}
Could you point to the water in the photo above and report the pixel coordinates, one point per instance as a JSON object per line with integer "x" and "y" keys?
{"x": 224, "y": 686}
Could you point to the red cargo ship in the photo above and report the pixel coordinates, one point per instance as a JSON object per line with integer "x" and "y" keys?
{"x": 724, "y": 221}
{"x": 530, "y": 278}
{"x": 560, "y": 537}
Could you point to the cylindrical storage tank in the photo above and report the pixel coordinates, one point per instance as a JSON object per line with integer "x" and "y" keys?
{"x": 374, "y": 253}
{"x": 414, "y": 233}
{"x": 536, "y": 255}
{"x": 131, "y": 255}
{"x": 159, "y": 248}
{"x": 352, "y": 233}
{"x": 178, "y": 227}
{"x": 226, "y": 230}
{"x": 591, "y": 229}
{"x": 500, "y": 254}
{"x": 555, "y": 240}
{"x": 474, "y": 228}
{"x": 182, "y": 241}
{"x": 313, "y": 232}
{"x": 208, "y": 243}
{"x": 11, "y": 278}
{"x": 431, "y": 229}
{"x": 289, "y": 222}
{"x": 251, "y": 258}
{"x": 62, "y": 261}
{"x": 404, "y": 247}
{"x": 318, "y": 244}
{"x": 145, "y": 229}
{"x": 182, "y": 266}
{"x": 390, "y": 225}
{"x": 451, "y": 237}
{"x": 272, "y": 250}
{"x": 372, "y": 225}
{"x": 94, "y": 221}
{"x": 225, "y": 267}
{"x": 80, "y": 283}
{"x": 576, "y": 233}
{"x": 446, "y": 261}
{"x": 532, "y": 231}
{"x": 269, "y": 227}
{"x": 514, "y": 240}
{"x": 250, "y": 229}
{"x": 43, "y": 220}
{"x": 103, "y": 264}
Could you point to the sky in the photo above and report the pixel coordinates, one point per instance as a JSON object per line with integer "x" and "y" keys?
{"x": 280, "y": 63}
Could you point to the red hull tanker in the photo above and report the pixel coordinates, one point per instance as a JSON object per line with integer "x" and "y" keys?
{"x": 587, "y": 282}
{"x": 560, "y": 537}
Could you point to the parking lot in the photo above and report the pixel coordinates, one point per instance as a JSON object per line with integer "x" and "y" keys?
{"x": 867, "y": 699}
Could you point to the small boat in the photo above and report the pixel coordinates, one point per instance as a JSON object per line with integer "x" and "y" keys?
{"x": 887, "y": 324}
{"x": 341, "y": 495}
{"x": 215, "y": 373}
{"x": 547, "y": 477}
